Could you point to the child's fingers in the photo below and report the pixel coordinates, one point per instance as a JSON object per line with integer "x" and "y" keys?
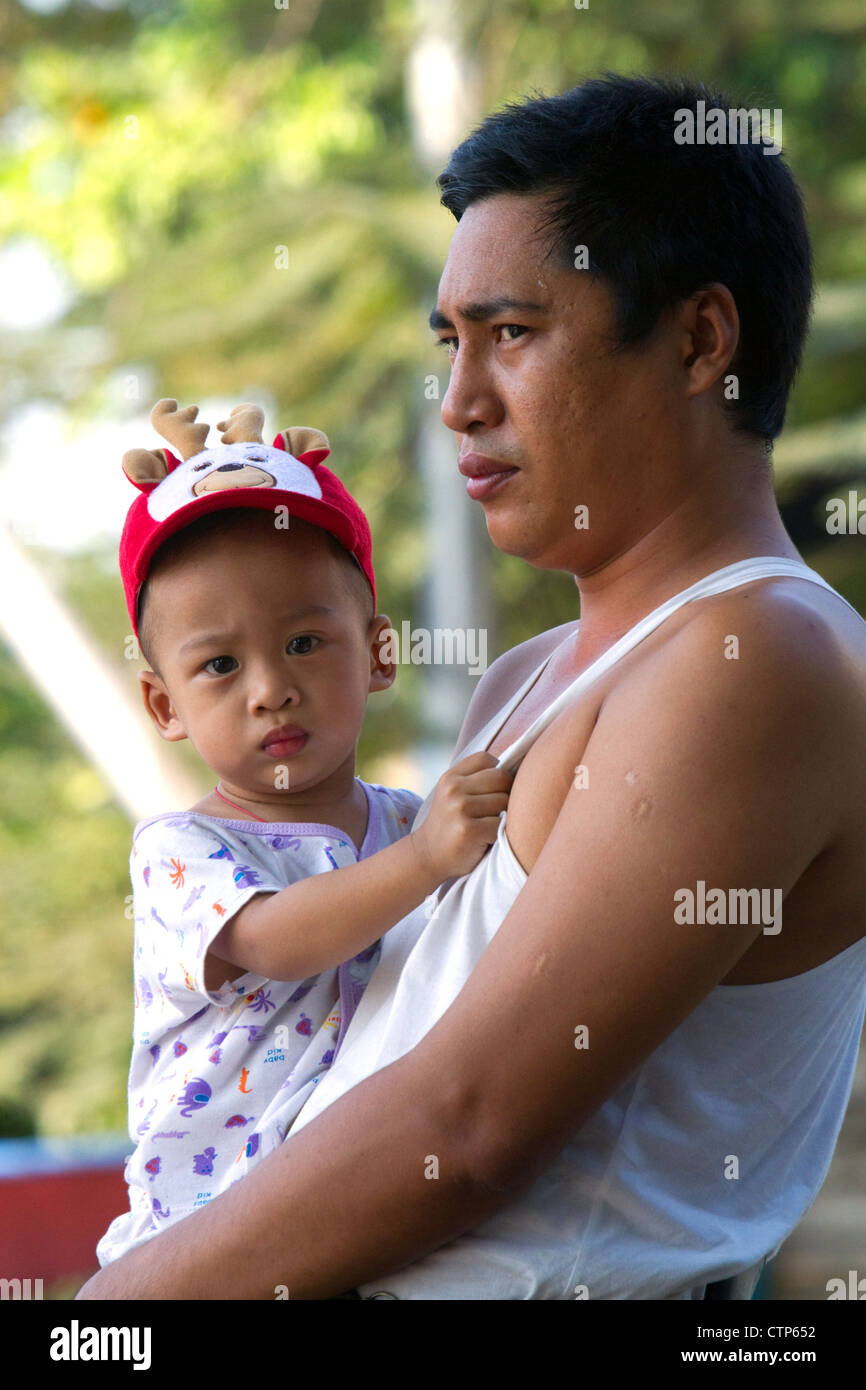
{"x": 475, "y": 762}
{"x": 489, "y": 829}
{"x": 490, "y": 805}
{"x": 489, "y": 779}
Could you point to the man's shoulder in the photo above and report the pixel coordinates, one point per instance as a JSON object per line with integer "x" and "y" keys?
{"x": 784, "y": 630}
{"x": 771, "y": 666}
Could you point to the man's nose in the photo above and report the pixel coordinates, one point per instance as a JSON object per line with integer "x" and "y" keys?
{"x": 470, "y": 398}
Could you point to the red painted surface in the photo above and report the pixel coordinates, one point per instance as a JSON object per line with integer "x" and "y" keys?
{"x": 50, "y": 1222}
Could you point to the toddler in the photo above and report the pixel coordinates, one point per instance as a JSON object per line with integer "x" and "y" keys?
{"x": 250, "y": 952}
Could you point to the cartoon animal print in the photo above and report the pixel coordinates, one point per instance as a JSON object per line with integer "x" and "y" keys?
{"x": 216, "y": 1043}
{"x": 144, "y": 1126}
{"x": 194, "y": 1097}
{"x": 193, "y": 897}
{"x": 203, "y": 1163}
{"x": 152, "y": 1167}
{"x": 254, "y": 1031}
{"x": 259, "y": 1001}
{"x": 245, "y": 877}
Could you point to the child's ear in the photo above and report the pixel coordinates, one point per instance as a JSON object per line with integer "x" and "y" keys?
{"x": 383, "y": 668}
{"x": 157, "y": 702}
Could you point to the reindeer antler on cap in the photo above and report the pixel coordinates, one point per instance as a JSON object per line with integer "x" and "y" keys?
{"x": 244, "y": 425}
{"x": 241, "y": 471}
{"x": 150, "y": 465}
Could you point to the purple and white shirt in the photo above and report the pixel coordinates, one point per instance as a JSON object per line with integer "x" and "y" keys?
{"x": 218, "y": 1076}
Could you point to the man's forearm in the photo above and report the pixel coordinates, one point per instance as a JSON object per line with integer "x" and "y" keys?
{"x": 347, "y": 1200}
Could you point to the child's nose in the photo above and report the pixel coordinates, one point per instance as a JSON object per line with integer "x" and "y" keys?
{"x": 271, "y": 688}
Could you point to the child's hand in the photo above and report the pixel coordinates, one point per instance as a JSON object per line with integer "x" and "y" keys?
{"x": 464, "y": 815}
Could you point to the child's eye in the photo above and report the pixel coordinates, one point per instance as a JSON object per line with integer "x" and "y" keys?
{"x": 217, "y": 660}
{"x": 303, "y": 651}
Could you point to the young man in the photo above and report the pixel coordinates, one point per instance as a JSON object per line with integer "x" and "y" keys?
{"x": 614, "y": 1061}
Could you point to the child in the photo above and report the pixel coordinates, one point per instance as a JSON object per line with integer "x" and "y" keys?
{"x": 250, "y": 954}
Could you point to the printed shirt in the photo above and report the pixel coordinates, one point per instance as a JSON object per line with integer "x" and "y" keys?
{"x": 218, "y": 1076}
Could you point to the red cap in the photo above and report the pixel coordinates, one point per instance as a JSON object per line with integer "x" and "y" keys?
{"x": 240, "y": 472}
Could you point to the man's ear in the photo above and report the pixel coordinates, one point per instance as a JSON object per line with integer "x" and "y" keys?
{"x": 711, "y": 334}
{"x": 157, "y": 702}
{"x": 382, "y": 638}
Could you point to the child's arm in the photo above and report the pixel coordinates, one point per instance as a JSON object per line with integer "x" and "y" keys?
{"x": 319, "y": 922}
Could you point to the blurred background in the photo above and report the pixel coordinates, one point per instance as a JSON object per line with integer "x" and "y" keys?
{"x": 224, "y": 201}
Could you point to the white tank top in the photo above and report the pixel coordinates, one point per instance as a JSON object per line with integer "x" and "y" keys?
{"x": 637, "y": 1205}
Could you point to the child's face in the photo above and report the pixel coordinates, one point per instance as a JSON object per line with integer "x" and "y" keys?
{"x": 258, "y": 629}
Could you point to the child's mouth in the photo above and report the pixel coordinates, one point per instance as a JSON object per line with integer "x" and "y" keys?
{"x": 282, "y": 743}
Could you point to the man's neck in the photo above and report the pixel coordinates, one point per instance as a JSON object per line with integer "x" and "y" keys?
{"x": 712, "y": 527}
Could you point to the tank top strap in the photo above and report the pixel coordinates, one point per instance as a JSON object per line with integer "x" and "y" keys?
{"x": 485, "y": 736}
{"x": 729, "y": 577}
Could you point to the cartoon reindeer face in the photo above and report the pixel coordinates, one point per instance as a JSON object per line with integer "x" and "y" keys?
{"x": 237, "y": 468}
{"x": 237, "y": 463}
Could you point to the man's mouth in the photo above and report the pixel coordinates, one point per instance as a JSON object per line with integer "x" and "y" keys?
{"x": 484, "y": 475}
{"x": 282, "y": 742}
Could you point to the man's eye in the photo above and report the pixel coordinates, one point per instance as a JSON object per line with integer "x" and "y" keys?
{"x": 303, "y": 650}
{"x": 220, "y": 661}
{"x": 518, "y": 328}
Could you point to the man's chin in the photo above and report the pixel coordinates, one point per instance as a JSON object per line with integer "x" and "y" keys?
{"x": 509, "y": 533}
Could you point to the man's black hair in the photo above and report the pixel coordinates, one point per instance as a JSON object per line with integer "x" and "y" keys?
{"x": 212, "y": 525}
{"x": 659, "y": 219}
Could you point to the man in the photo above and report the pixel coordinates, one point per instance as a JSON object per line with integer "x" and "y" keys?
{"x": 619, "y": 1090}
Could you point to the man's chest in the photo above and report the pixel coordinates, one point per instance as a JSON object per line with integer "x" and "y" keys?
{"x": 551, "y": 766}
{"x": 821, "y": 917}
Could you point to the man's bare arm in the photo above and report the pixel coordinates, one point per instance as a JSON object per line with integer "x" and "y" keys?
{"x": 591, "y": 941}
